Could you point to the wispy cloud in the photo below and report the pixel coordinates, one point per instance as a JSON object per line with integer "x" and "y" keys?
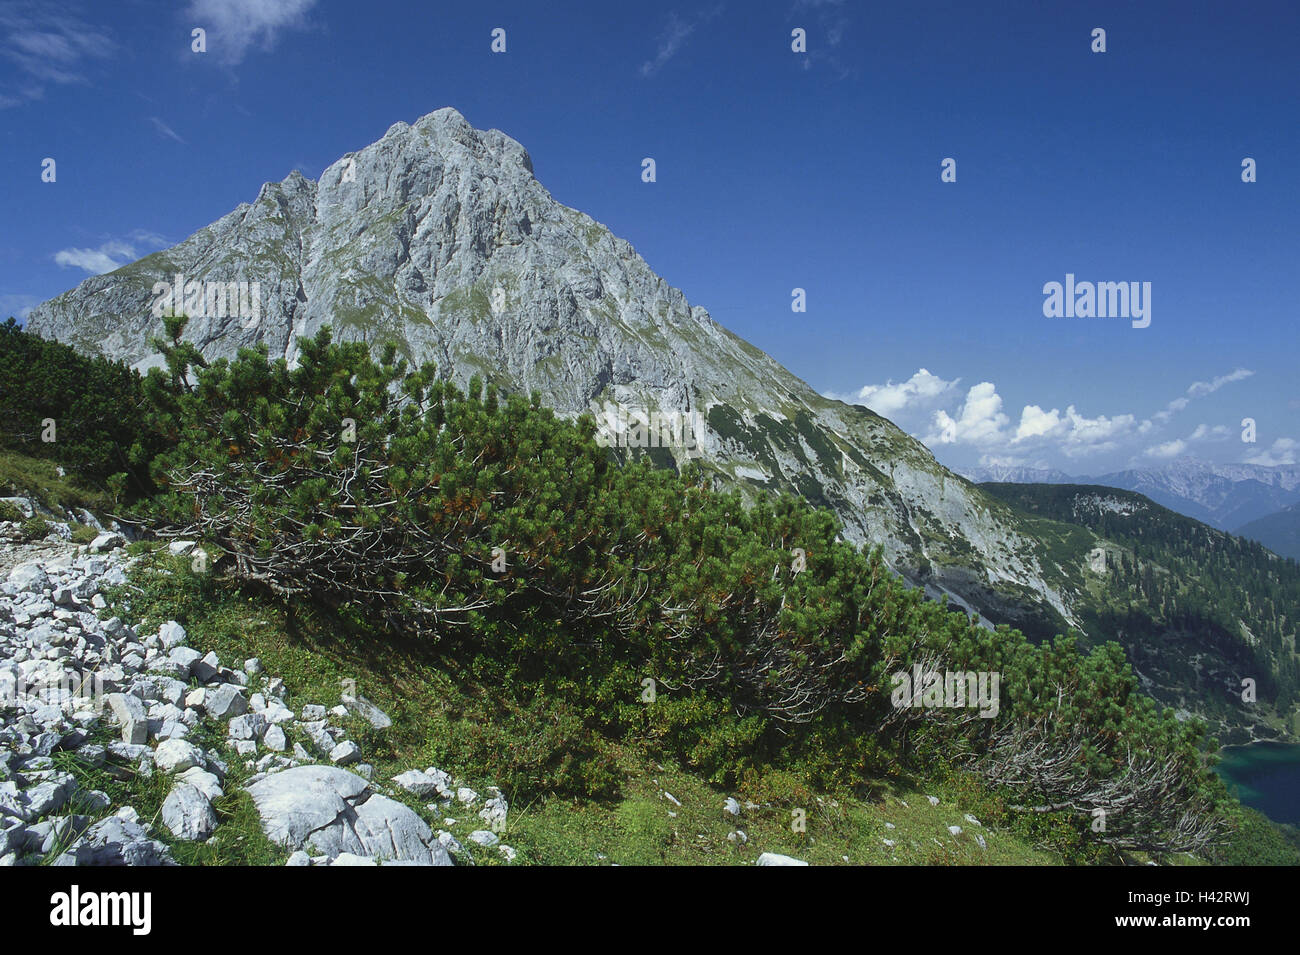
{"x": 235, "y": 26}
{"x": 1199, "y": 389}
{"x": 17, "y": 306}
{"x": 827, "y": 33}
{"x": 48, "y": 45}
{"x": 675, "y": 35}
{"x": 166, "y": 131}
{"x": 111, "y": 255}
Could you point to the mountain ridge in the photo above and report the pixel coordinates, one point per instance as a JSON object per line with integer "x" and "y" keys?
{"x": 1225, "y": 496}
{"x": 1279, "y": 532}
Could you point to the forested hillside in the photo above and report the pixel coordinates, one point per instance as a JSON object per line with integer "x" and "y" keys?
{"x": 1198, "y": 610}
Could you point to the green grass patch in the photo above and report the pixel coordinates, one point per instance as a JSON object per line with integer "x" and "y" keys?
{"x": 24, "y": 476}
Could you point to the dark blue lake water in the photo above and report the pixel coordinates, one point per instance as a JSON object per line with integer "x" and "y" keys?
{"x": 1265, "y": 776}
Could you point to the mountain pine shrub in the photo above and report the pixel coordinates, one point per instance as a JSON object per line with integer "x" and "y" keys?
{"x": 643, "y": 604}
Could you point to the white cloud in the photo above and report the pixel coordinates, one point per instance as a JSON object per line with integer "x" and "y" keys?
{"x": 1170, "y": 449}
{"x": 109, "y": 256}
{"x": 1037, "y": 423}
{"x": 146, "y": 238}
{"x": 1207, "y": 387}
{"x": 112, "y": 255}
{"x": 1177, "y": 446}
{"x": 980, "y": 421}
{"x": 825, "y": 35}
{"x": 1205, "y": 432}
{"x": 890, "y": 398}
{"x": 235, "y": 26}
{"x": 1095, "y": 435}
{"x": 1076, "y": 434}
{"x": 48, "y": 46}
{"x": 675, "y": 35}
{"x": 1042, "y": 435}
{"x": 1283, "y": 451}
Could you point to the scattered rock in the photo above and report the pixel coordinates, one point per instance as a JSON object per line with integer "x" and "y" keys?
{"x": 345, "y": 753}
{"x": 368, "y": 711}
{"x": 130, "y": 715}
{"x": 202, "y": 780}
{"x": 106, "y": 542}
{"x": 417, "y": 782}
{"x": 46, "y": 625}
{"x": 171, "y": 634}
{"x": 226, "y": 701}
{"x": 29, "y": 578}
{"x": 176, "y": 756}
{"x": 117, "y": 840}
{"x": 494, "y": 810}
{"x": 249, "y": 726}
{"x": 449, "y": 842}
{"x": 188, "y": 813}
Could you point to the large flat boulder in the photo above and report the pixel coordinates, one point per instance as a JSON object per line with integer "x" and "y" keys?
{"x": 336, "y": 812}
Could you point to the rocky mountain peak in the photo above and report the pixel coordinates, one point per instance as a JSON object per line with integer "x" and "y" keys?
{"x": 439, "y": 237}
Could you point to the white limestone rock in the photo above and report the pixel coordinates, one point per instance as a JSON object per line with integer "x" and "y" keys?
{"x": 176, "y": 756}
{"x": 188, "y": 813}
{"x": 335, "y": 811}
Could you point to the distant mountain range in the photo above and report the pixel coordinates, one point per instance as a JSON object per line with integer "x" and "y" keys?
{"x": 1226, "y": 496}
{"x": 1017, "y": 475}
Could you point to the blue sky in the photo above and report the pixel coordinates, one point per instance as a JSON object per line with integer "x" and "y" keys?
{"x": 775, "y": 170}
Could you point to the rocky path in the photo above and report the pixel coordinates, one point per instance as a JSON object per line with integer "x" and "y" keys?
{"x": 69, "y": 679}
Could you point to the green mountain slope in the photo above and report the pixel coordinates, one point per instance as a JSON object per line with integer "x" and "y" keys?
{"x": 1279, "y": 532}
{"x": 1199, "y": 611}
